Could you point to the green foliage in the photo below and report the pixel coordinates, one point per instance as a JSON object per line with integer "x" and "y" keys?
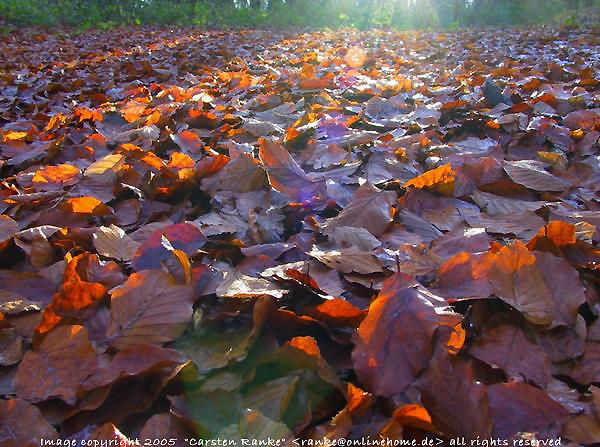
{"x": 400, "y": 14}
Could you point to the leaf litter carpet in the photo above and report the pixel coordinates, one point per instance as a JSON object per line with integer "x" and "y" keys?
{"x": 255, "y": 234}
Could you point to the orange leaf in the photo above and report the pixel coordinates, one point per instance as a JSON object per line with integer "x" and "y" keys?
{"x": 54, "y": 177}
{"x": 306, "y": 344}
{"x": 87, "y": 205}
{"x": 440, "y": 179}
{"x": 554, "y": 235}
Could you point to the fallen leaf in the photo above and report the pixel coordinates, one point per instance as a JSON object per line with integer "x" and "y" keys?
{"x": 113, "y": 242}
{"x": 8, "y": 228}
{"x": 149, "y": 308}
{"x": 533, "y": 176}
{"x": 158, "y": 246}
{"x": 439, "y": 179}
{"x": 285, "y": 175}
{"x": 537, "y": 284}
{"x": 369, "y": 208}
{"x": 508, "y": 348}
{"x": 64, "y": 360}
{"x": 394, "y": 342}
{"x": 23, "y": 425}
{"x": 348, "y": 260}
{"x": 521, "y": 408}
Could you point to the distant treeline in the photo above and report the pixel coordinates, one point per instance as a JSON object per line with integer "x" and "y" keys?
{"x": 403, "y": 14}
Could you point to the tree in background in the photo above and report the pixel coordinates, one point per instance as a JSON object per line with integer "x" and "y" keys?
{"x": 311, "y": 13}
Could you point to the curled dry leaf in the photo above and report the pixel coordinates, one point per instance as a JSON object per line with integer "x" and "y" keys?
{"x": 149, "y": 308}
{"x": 237, "y": 285}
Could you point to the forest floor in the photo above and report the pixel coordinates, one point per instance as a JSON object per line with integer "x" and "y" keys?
{"x": 268, "y": 235}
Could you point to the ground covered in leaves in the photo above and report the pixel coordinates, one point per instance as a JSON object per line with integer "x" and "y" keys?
{"x": 325, "y": 235}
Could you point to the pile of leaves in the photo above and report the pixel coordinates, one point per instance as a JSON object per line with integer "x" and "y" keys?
{"x": 333, "y": 234}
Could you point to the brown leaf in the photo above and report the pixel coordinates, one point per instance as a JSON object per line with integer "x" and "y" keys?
{"x": 465, "y": 275}
{"x": 23, "y": 425}
{"x": 472, "y": 240}
{"x": 217, "y": 345}
{"x": 537, "y": 284}
{"x": 344, "y": 237}
{"x": 497, "y": 205}
{"x": 63, "y": 361}
{"x": 113, "y": 242}
{"x": 582, "y": 429}
{"x": 109, "y": 432}
{"x": 518, "y": 407}
{"x": 165, "y": 426}
{"x": 532, "y": 176}
{"x": 11, "y": 345}
{"x": 285, "y": 175}
{"x": 370, "y": 208}
{"x": 394, "y": 342}
{"x": 237, "y": 285}
{"x": 133, "y": 361}
{"x": 85, "y": 284}
{"x": 159, "y": 245}
{"x": 587, "y": 369}
{"x": 51, "y": 178}
{"x": 242, "y": 174}
{"x": 457, "y": 403}
{"x": 8, "y": 228}
{"x": 255, "y": 426}
{"x": 188, "y": 141}
{"x": 336, "y": 311}
{"x": 149, "y": 308}
{"x": 348, "y": 260}
{"x": 507, "y": 347}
